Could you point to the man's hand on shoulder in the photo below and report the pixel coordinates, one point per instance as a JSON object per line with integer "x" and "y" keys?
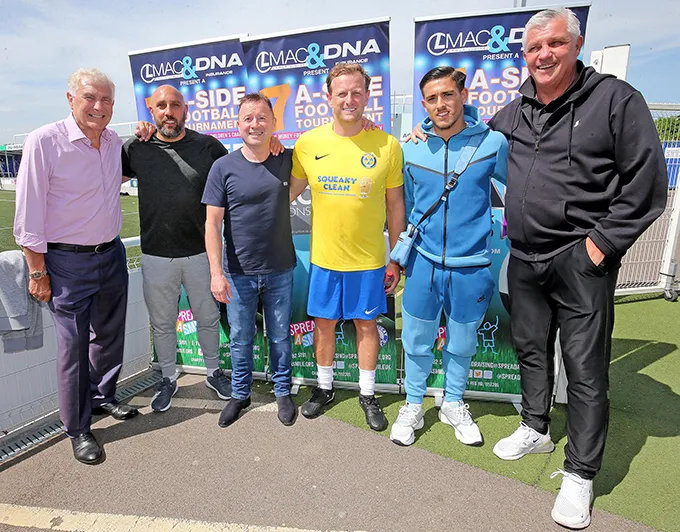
{"x": 275, "y": 146}
{"x": 416, "y": 134}
{"x": 367, "y": 124}
{"x": 144, "y": 130}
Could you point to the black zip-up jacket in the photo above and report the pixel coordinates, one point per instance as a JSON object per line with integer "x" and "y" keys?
{"x": 596, "y": 168}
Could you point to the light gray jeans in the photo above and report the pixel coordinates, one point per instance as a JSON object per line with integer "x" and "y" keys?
{"x": 162, "y": 280}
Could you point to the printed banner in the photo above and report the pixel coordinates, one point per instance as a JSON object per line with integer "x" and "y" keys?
{"x": 494, "y": 368}
{"x": 211, "y": 76}
{"x": 346, "y": 364}
{"x": 189, "y": 351}
{"x": 488, "y": 48}
{"x": 291, "y": 70}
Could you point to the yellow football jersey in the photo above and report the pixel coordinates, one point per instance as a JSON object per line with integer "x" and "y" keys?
{"x": 348, "y": 177}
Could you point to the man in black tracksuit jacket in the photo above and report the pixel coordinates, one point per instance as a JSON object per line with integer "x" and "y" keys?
{"x": 586, "y": 177}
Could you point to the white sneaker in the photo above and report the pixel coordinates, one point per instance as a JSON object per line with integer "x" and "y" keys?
{"x": 572, "y": 505}
{"x": 458, "y": 416}
{"x": 409, "y": 420}
{"x": 523, "y": 441}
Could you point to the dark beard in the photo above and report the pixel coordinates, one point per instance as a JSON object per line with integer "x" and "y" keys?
{"x": 172, "y": 133}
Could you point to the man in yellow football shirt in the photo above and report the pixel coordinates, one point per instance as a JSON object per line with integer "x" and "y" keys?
{"x": 355, "y": 177}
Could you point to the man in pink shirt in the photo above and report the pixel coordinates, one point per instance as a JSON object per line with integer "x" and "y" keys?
{"x": 67, "y": 221}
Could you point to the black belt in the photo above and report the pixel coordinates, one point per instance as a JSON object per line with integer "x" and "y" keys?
{"x": 75, "y": 248}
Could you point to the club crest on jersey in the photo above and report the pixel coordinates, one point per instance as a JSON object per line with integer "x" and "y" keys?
{"x": 368, "y": 160}
{"x": 365, "y": 187}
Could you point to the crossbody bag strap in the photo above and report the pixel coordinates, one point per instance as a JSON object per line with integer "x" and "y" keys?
{"x": 187, "y": 170}
{"x": 466, "y": 155}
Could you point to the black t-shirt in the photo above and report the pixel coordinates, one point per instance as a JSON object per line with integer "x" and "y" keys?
{"x": 257, "y": 235}
{"x": 172, "y": 177}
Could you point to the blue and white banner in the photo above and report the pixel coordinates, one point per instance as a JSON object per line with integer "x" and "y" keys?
{"x": 211, "y": 76}
{"x": 487, "y": 47}
{"x": 291, "y": 70}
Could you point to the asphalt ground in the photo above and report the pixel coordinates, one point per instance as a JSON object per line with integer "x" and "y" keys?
{"x": 179, "y": 470}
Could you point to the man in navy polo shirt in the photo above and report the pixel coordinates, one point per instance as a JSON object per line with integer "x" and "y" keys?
{"x": 248, "y": 190}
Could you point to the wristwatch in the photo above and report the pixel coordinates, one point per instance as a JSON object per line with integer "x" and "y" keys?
{"x": 36, "y": 276}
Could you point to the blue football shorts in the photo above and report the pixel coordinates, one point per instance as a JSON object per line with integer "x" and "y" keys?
{"x": 356, "y": 295}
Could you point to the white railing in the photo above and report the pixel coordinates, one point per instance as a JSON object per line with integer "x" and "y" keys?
{"x": 28, "y": 379}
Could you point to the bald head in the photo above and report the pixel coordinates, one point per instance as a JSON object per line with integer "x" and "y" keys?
{"x": 169, "y": 112}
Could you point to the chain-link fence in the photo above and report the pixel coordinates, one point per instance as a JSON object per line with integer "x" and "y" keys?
{"x": 650, "y": 265}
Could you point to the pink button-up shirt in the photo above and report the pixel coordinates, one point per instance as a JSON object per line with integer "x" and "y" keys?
{"x": 68, "y": 191}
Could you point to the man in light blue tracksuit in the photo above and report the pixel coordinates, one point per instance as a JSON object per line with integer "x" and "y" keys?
{"x": 448, "y": 267}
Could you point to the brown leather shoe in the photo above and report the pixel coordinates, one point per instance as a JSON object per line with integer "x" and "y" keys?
{"x": 86, "y": 449}
{"x": 116, "y": 411}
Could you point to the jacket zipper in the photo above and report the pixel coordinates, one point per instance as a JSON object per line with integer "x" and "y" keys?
{"x": 446, "y": 203}
{"x": 537, "y": 141}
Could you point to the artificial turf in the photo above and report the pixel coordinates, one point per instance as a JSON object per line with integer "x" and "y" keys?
{"x": 641, "y": 466}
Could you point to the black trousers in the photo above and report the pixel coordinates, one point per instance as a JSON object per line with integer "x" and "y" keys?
{"x": 570, "y": 293}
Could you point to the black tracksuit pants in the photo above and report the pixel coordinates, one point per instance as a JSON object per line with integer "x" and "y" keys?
{"x": 570, "y": 293}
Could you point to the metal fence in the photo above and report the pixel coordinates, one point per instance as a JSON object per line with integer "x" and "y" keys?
{"x": 651, "y": 264}
{"x": 28, "y": 379}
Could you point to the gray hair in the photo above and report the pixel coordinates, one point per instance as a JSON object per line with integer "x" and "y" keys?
{"x": 91, "y": 75}
{"x": 542, "y": 18}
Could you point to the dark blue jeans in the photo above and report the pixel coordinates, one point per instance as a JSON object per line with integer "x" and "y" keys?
{"x": 276, "y": 291}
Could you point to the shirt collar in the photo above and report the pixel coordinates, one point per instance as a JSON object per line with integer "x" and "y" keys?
{"x": 75, "y": 133}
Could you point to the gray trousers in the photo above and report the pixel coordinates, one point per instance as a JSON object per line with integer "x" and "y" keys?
{"x": 162, "y": 281}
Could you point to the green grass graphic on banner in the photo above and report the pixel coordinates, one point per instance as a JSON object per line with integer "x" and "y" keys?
{"x": 346, "y": 365}
{"x": 494, "y": 367}
{"x": 189, "y": 351}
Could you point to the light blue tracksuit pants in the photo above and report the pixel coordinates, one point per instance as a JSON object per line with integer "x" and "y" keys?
{"x": 464, "y": 295}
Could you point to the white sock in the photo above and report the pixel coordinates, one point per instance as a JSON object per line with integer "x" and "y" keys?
{"x": 366, "y": 382}
{"x": 324, "y": 377}
{"x": 414, "y": 406}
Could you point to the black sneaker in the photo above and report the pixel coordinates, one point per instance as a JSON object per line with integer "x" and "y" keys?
{"x": 232, "y": 411}
{"x": 287, "y": 410}
{"x": 374, "y": 414}
{"x": 162, "y": 399}
{"x": 220, "y": 383}
{"x": 320, "y": 398}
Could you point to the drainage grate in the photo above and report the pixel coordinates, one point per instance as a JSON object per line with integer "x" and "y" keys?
{"x": 49, "y": 428}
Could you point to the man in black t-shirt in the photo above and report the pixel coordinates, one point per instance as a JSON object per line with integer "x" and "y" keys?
{"x": 248, "y": 190}
{"x": 172, "y": 169}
